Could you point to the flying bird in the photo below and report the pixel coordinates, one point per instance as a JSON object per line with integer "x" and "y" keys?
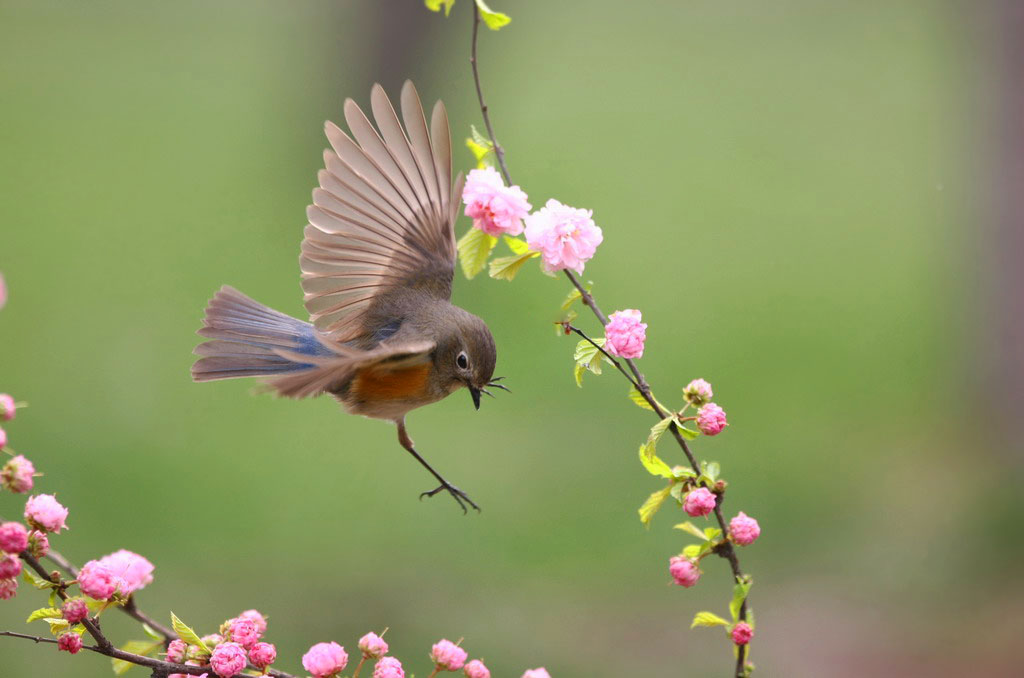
{"x": 377, "y": 260}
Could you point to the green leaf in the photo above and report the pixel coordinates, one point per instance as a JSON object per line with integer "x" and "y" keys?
{"x": 151, "y": 632}
{"x": 638, "y": 398}
{"x": 739, "y": 594}
{"x": 712, "y": 533}
{"x": 53, "y": 598}
{"x": 474, "y": 248}
{"x": 713, "y": 470}
{"x": 435, "y": 5}
{"x": 693, "y": 550}
{"x": 36, "y": 581}
{"x": 691, "y": 528}
{"x": 187, "y": 634}
{"x": 57, "y": 625}
{"x": 480, "y": 153}
{"x": 705, "y": 618}
{"x": 588, "y": 356}
{"x": 687, "y": 433}
{"x": 578, "y": 372}
{"x": 654, "y": 465}
{"x": 682, "y": 472}
{"x": 652, "y": 505}
{"x": 573, "y": 295}
{"x": 506, "y": 268}
{"x": 43, "y": 613}
{"x": 142, "y": 647}
{"x": 494, "y": 20}
{"x": 517, "y": 245}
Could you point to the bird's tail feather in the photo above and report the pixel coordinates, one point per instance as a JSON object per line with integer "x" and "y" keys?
{"x": 247, "y": 339}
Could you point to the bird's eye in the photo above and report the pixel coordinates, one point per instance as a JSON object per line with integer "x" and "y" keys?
{"x": 462, "y": 361}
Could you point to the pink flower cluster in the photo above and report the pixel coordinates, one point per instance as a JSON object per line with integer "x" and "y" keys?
{"x": 447, "y": 656}
{"x": 566, "y": 237}
{"x": 625, "y": 334}
{"x": 45, "y": 513}
{"x": 495, "y": 209}
{"x": 120, "y": 572}
{"x": 325, "y": 659}
{"x": 231, "y": 652}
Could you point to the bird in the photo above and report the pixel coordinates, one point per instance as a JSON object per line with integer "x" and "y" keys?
{"x": 377, "y": 262}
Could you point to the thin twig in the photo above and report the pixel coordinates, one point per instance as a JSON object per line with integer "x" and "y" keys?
{"x": 609, "y": 356}
{"x": 499, "y": 152}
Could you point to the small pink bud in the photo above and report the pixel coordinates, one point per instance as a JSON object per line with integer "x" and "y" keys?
{"x": 8, "y": 588}
{"x": 388, "y": 667}
{"x": 212, "y": 640}
{"x": 243, "y": 632}
{"x": 711, "y": 419}
{"x": 17, "y": 474}
{"x": 69, "y": 642}
{"x": 96, "y": 581}
{"x": 448, "y": 656}
{"x": 44, "y": 512}
{"x": 7, "y": 407}
{"x": 698, "y": 392}
{"x": 373, "y": 646}
{"x": 38, "y": 544}
{"x": 742, "y": 633}
{"x": 228, "y": 660}
{"x": 537, "y": 673}
{"x": 10, "y": 566}
{"x": 262, "y": 655}
{"x": 176, "y": 651}
{"x": 197, "y": 655}
{"x": 13, "y": 537}
{"x": 75, "y": 610}
{"x": 699, "y": 502}
{"x": 684, "y": 571}
{"x": 325, "y": 659}
{"x": 3, "y": 439}
{"x": 476, "y": 669}
{"x": 625, "y": 334}
{"x": 744, "y": 529}
{"x": 256, "y": 618}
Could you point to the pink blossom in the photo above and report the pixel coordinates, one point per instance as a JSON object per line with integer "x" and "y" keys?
{"x": 3, "y": 439}
{"x": 684, "y": 571}
{"x": 262, "y": 655}
{"x": 448, "y": 656}
{"x": 7, "y": 407}
{"x": 186, "y": 675}
{"x": 742, "y": 633}
{"x": 10, "y": 566}
{"x": 256, "y": 618}
{"x": 625, "y": 334}
{"x": 388, "y": 667}
{"x": 3, "y": 291}
{"x": 494, "y": 208}
{"x": 711, "y": 419}
{"x": 8, "y": 588}
{"x": 44, "y": 512}
{"x": 38, "y": 544}
{"x": 325, "y": 659}
{"x": 744, "y": 529}
{"x": 176, "y": 651}
{"x": 243, "y": 632}
{"x": 69, "y": 641}
{"x": 74, "y": 610}
{"x": 16, "y": 474}
{"x": 228, "y": 660}
{"x": 699, "y": 502}
{"x": 13, "y": 537}
{"x": 373, "y": 646}
{"x": 476, "y": 669}
{"x": 698, "y": 392}
{"x": 96, "y": 581}
{"x": 131, "y": 571}
{"x": 565, "y": 236}
{"x": 537, "y": 673}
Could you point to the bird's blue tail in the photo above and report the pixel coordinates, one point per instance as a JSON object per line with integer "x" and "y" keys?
{"x": 245, "y": 336}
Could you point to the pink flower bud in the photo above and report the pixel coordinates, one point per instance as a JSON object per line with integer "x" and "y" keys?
{"x": 537, "y": 673}
{"x": 96, "y": 581}
{"x": 176, "y": 651}
{"x": 476, "y": 669}
{"x": 10, "y": 566}
{"x": 44, "y": 512}
{"x": 325, "y": 659}
{"x": 74, "y": 610}
{"x": 8, "y": 588}
{"x": 3, "y": 439}
{"x": 256, "y": 618}
{"x": 388, "y": 667}
{"x": 494, "y": 208}
{"x": 69, "y": 642}
{"x": 243, "y": 632}
{"x": 262, "y": 655}
{"x": 7, "y": 407}
{"x": 373, "y": 646}
{"x": 197, "y": 655}
{"x": 38, "y": 544}
{"x": 698, "y": 392}
{"x": 212, "y": 640}
{"x": 228, "y": 660}
{"x": 744, "y": 529}
{"x": 625, "y": 334}
{"x": 566, "y": 237}
{"x": 699, "y": 502}
{"x": 17, "y": 474}
{"x": 131, "y": 571}
{"x": 684, "y": 571}
{"x": 448, "y": 656}
{"x": 711, "y": 419}
{"x": 742, "y": 633}
{"x": 13, "y": 538}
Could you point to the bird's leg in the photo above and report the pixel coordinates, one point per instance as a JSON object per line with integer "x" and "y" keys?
{"x": 457, "y": 494}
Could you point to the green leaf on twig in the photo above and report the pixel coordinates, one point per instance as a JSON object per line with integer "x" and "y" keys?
{"x": 35, "y": 580}
{"x": 481, "y": 147}
{"x": 187, "y": 634}
{"x": 517, "y": 245}
{"x": 638, "y": 398}
{"x": 654, "y": 465}
{"x": 474, "y": 248}
{"x": 739, "y": 594}
{"x": 142, "y": 647}
{"x": 151, "y": 632}
{"x": 506, "y": 268}
{"x": 494, "y": 20}
{"x": 652, "y": 505}
{"x": 691, "y": 529}
{"x": 705, "y": 618}
{"x": 435, "y": 5}
{"x": 43, "y": 613}
{"x": 57, "y": 625}
{"x": 587, "y": 356}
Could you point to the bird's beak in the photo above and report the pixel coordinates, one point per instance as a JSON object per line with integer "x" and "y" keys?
{"x": 475, "y": 392}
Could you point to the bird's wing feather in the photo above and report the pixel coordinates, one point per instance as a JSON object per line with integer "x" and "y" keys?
{"x": 382, "y": 217}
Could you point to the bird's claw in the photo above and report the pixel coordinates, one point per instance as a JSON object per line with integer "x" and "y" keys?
{"x": 458, "y": 495}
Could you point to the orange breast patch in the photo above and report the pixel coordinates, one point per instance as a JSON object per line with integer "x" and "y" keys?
{"x": 376, "y": 384}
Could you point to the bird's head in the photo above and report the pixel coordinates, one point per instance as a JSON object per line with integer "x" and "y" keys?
{"x": 466, "y": 356}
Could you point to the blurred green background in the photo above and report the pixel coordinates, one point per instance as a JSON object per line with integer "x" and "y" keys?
{"x": 792, "y": 192}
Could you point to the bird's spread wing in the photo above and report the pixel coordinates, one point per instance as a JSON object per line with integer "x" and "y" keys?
{"x": 331, "y": 372}
{"x": 382, "y": 217}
